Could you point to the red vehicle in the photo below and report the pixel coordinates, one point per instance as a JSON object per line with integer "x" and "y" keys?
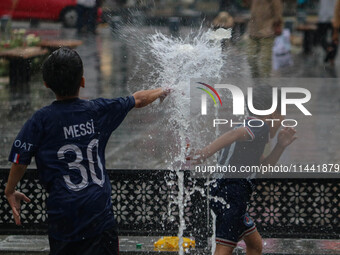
{"x": 56, "y": 10}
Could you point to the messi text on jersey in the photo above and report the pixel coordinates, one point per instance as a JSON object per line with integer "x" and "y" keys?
{"x": 78, "y": 130}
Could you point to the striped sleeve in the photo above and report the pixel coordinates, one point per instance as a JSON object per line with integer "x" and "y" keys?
{"x": 257, "y": 130}
{"x": 251, "y": 133}
{"x": 26, "y": 143}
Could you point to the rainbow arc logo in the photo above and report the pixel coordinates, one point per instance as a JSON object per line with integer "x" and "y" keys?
{"x": 209, "y": 93}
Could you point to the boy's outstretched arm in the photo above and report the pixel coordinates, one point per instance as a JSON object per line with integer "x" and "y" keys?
{"x": 146, "y": 97}
{"x": 284, "y": 138}
{"x": 14, "y": 197}
{"x": 239, "y": 134}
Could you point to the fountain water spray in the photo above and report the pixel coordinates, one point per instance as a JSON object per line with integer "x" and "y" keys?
{"x": 171, "y": 62}
{"x": 178, "y": 61}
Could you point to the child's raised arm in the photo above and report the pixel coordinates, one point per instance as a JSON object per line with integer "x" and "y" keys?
{"x": 146, "y": 97}
{"x": 284, "y": 138}
{"x": 239, "y": 134}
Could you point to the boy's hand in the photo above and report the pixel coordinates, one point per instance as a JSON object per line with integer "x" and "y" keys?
{"x": 165, "y": 93}
{"x": 195, "y": 157}
{"x": 286, "y": 136}
{"x": 146, "y": 97}
{"x": 14, "y": 200}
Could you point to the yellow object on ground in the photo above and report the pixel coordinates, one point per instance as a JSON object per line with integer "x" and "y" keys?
{"x": 171, "y": 243}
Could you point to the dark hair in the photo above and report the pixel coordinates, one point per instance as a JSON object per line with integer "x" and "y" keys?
{"x": 62, "y": 71}
{"x": 263, "y": 98}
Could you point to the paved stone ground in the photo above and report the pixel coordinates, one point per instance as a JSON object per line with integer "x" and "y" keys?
{"x": 39, "y": 245}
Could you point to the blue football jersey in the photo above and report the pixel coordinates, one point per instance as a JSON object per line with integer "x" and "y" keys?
{"x": 247, "y": 153}
{"x": 68, "y": 140}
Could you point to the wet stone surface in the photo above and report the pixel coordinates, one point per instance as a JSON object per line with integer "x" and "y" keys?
{"x": 39, "y": 245}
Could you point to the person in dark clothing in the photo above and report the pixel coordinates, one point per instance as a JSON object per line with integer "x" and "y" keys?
{"x": 87, "y": 15}
{"x": 325, "y": 28}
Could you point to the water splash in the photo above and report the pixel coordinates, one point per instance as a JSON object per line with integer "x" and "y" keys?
{"x": 172, "y": 62}
{"x": 178, "y": 61}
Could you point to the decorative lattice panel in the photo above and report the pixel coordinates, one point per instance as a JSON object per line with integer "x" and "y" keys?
{"x": 297, "y": 207}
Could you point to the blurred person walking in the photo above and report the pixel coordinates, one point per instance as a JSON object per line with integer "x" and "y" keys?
{"x": 87, "y": 15}
{"x": 325, "y": 27}
{"x": 336, "y": 25}
{"x": 265, "y": 23}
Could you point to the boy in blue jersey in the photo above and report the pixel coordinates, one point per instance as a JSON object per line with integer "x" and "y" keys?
{"x": 243, "y": 146}
{"x": 68, "y": 140}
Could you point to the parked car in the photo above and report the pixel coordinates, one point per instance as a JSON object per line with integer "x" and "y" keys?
{"x": 56, "y": 10}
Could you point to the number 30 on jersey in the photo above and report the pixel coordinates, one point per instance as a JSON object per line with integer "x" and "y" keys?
{"x": 76, "y": 164}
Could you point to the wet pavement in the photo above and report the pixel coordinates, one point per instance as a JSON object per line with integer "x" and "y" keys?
{"x": 128, "y": 245}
